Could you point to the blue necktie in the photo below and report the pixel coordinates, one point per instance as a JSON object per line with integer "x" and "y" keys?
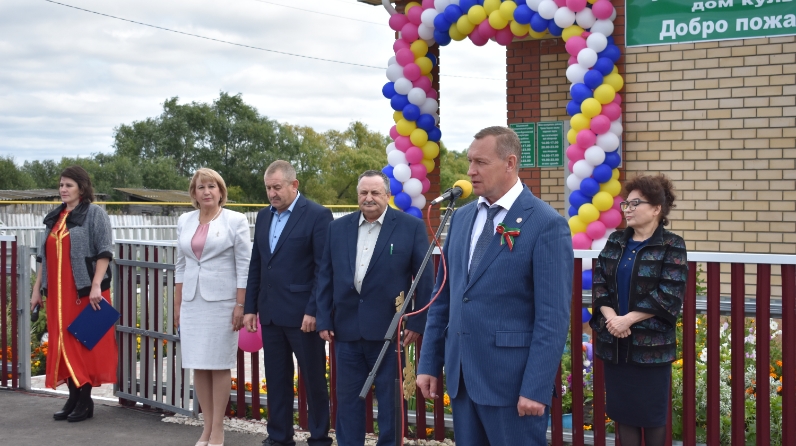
{"x": 486, "y": 236}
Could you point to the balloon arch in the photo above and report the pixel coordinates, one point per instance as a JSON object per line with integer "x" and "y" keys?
{"x": 595, "y": 124}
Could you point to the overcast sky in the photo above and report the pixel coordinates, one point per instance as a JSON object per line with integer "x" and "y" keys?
{"x": 68, "y": 77}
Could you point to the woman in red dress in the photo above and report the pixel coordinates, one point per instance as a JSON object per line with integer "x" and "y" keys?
{"x": 74, "y": 274}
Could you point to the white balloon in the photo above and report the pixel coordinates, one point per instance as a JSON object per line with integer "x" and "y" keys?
{"x": 594, "y": 155}
{"x": 599, "y": 244}
{"x": 547, "y": 9}
{"x": 613, "y": 15}
{"x": 455, "y": 2}
{"x": 586, "y": 265}
{"x": 418, "y": 201}
{"x": 534, "y": 4}
{"x": 436, "y": 118}
{"x": 575, "y": 74}
{"x": 395, "y": 158}
{"x": 392, "y": 61}
{"x": 564, "y": 17}
{"x": 401, "y": 172}
{"x": 417, "y": 96}
{"x": 430, "y": 42}
{"x": 440, "y": 5}
{"x": 597, "y": 42}
{"x": 573, "y": 182}
{"x": 604, "y": 27}
{"x": 428, "y": 16}
{"x": 581, "y": 168}
{"x": 587, "y": 57}
{"x": 608, "y": 141}
{"x": 616, "y": 127}
{"x": 391, "y": 147}
{"x": 413, "y": 187}
{"x": 585, "y": 18}
{"x": 395, "y": 72}
{"x": 426, "y": 31}
{"x": 403, "y": 86}
{"x": 429, "y": 106}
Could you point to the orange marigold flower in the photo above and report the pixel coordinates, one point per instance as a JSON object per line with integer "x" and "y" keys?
{"x": 779, "y": 363}
{"x": 429, "y": 431}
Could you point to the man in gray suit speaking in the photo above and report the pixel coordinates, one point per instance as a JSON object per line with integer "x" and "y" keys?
{"x": 501, "y": 319}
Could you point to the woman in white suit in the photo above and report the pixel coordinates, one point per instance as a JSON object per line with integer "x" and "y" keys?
{"x": 213, "y": 252}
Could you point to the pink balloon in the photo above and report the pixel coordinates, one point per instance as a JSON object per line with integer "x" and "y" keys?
{"x": 600, "y": 124}
{"x": 575, "y": 152}
{"x": 570, "y": 164}
{"x": 581, "y": 241}
{"x": 576, "y": 5}
{"x": 595, "y": 230}
{"x": 561, "y": 3}
{"x": 394, "y": 133}
{"x": 397, "y": 21}
{"x": 586, "y": 138}
{"x": 486, "y": 29}
{"x": 572, "y": 60}
{"x": 412, "y": 71}
{"x": 617, "y": 199}
{"x": 602, "y": 9}
{"x": 612, "y": 111}
{"x": 431, "y": 93}
{"x": 409, "y": 32}
{"x": 414, "y": 15}
{"x": 618, "y": 100}
{"x": 418, "y": 171}
{"x": 477, "y": 38}
{"x": 585, "y": 34}
{"x": 504, "y": 36}
{"x": 414, "y": 155}
{"x": 426, "y": 183}
{"x": 404, "y": 57}
{"x": 403, "y": 143}
{"x": 611, "y": 218}
{"x": 423, "y": 83}
{"x": 399, "y": 45}
{"x": 575, "y": 44}
{"x": 251, "y": 342}
{"x": 428, "y": 4}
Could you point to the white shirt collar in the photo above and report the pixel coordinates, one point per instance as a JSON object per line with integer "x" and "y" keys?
{"x": 507, "y": 200}
{"x": 380, "y": 219}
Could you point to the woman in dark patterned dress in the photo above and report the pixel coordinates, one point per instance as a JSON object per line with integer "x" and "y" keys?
{"x": 639, "y": 284}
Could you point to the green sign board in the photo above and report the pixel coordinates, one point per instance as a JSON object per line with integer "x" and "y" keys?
{"x": 550, "y": 143}
{"x": 661, "y": 22}
{"x": 526, "y": 132}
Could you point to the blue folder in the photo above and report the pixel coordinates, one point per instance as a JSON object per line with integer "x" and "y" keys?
{"x": 91, "y": 325}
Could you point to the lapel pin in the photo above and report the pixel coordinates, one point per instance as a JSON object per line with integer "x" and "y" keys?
{"x": 519, "y": 220}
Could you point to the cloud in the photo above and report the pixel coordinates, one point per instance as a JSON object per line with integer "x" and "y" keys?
{"x": 69, "y": 77}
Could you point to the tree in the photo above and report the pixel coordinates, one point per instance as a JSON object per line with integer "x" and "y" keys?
{"x": 353, "y": 151}
{"x": 44, "y": 173}
{"x": 11, "y": 177}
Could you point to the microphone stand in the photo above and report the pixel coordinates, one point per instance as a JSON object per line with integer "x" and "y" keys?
{"x": 389, "y": 337}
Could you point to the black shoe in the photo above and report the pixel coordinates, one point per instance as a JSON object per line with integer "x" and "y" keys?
{"x": 270, "y": 442}
{"x": 85, "y": 406}
{"x": 71, "y": 403}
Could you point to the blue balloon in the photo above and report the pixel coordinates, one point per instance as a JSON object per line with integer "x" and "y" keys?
{"x": 520, "y": 2}
{"x": 442, "y": 38}
{"x": 610, "y": 39}
{"x": 577, "y": 199}
{"x": 602, "y": 173}
{"x": 580, "y": 92}
{"x": 523, "y": 14}
{"x": 573, "y": 211}
{"x": 554, "y": 29}
{"x": 411, "y": 112}
{"x": 586, "y": 284}
{"x": 604, "y": 66}
{"x": 387, "y": 171}
{"x": 398, "y": 102}
{"x": 395, "y": 187}
{"x": 426, "y": 122}
{"x": 388, "y": 90}
{"x": 573, "y": 108}
{"x": 441, "y": 23}
{"x": 589, "y": 187}
{"x": 452, "y": 13}
{"x": 415, "y": 212}
{"x": 539, "y": 23}
{"x": 434, "y": 134}
{"x": 432, "y": 57}
{"x": 402, "y": 200}
{"x": 467, "y": 4}
{"x": 612, "y": 159}
{"x": 612, "y": 52}
{"x": 593, "y": 79}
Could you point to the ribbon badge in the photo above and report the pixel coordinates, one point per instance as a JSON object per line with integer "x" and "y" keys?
{"x": 507, "y": 234}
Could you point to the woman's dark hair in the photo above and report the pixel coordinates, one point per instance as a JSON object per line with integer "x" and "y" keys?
{"x": 658, "y": 190}
{"x": 80, "y": 176}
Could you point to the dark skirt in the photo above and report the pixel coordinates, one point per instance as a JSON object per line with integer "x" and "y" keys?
{"x": 637, "y": 395}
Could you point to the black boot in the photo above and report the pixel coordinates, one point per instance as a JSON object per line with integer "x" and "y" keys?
{"x": 74, "y": 392}
{"x": 85, "y": 405}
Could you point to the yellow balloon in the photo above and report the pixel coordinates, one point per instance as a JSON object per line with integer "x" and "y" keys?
{"x": 464, "y": 25}
{"x": 613, "y": 187}
{"x": 425, "y": 64}
{"x": 397, "y": 116}
{"x": 588, "y": 213}
{"x": 392, "y": 203}
{"x": 572, "y": 136}
{"x": 605, "y": 94}
{"x": 615, "y": 81}
{"x": 602, "y": 201}
{"x": 497, "y": 21}
{"x": 615, "y": 174}
{"x": 507, "y": 10}
{"x": 476, "y": 14}
{"x": 592, "y": 1}
{"x": 419, "y": 137}
{"x": 419, "y": 48}
{"x": 430, "y": 77}
{"x": 572, "y": 30}
{"x": 430, "y": 150}
{"x": 519, "y": 29}
{"x": 537, "y": 35}
{"x": 428, "y": 163}
{"x": 454, "y": 32}
{"x": 405, "y": 128}
{"x": 615, "y": 70}
{"x": 590, "y": 107}
{"x": 491, "y": 5}
{"x": 579, "y": 122}
{"x": 576, "y": 224}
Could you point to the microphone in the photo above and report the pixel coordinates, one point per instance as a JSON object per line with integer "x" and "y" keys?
{"x": 461, "y": 188}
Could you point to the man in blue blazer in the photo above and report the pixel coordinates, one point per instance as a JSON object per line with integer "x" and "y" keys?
{"x": 501, "y": 319}
{"x": 369, "y": 259}
{"x": 288, "y": 243}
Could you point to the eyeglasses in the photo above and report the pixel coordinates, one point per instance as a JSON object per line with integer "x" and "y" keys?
{"x": 625, "y": 205}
